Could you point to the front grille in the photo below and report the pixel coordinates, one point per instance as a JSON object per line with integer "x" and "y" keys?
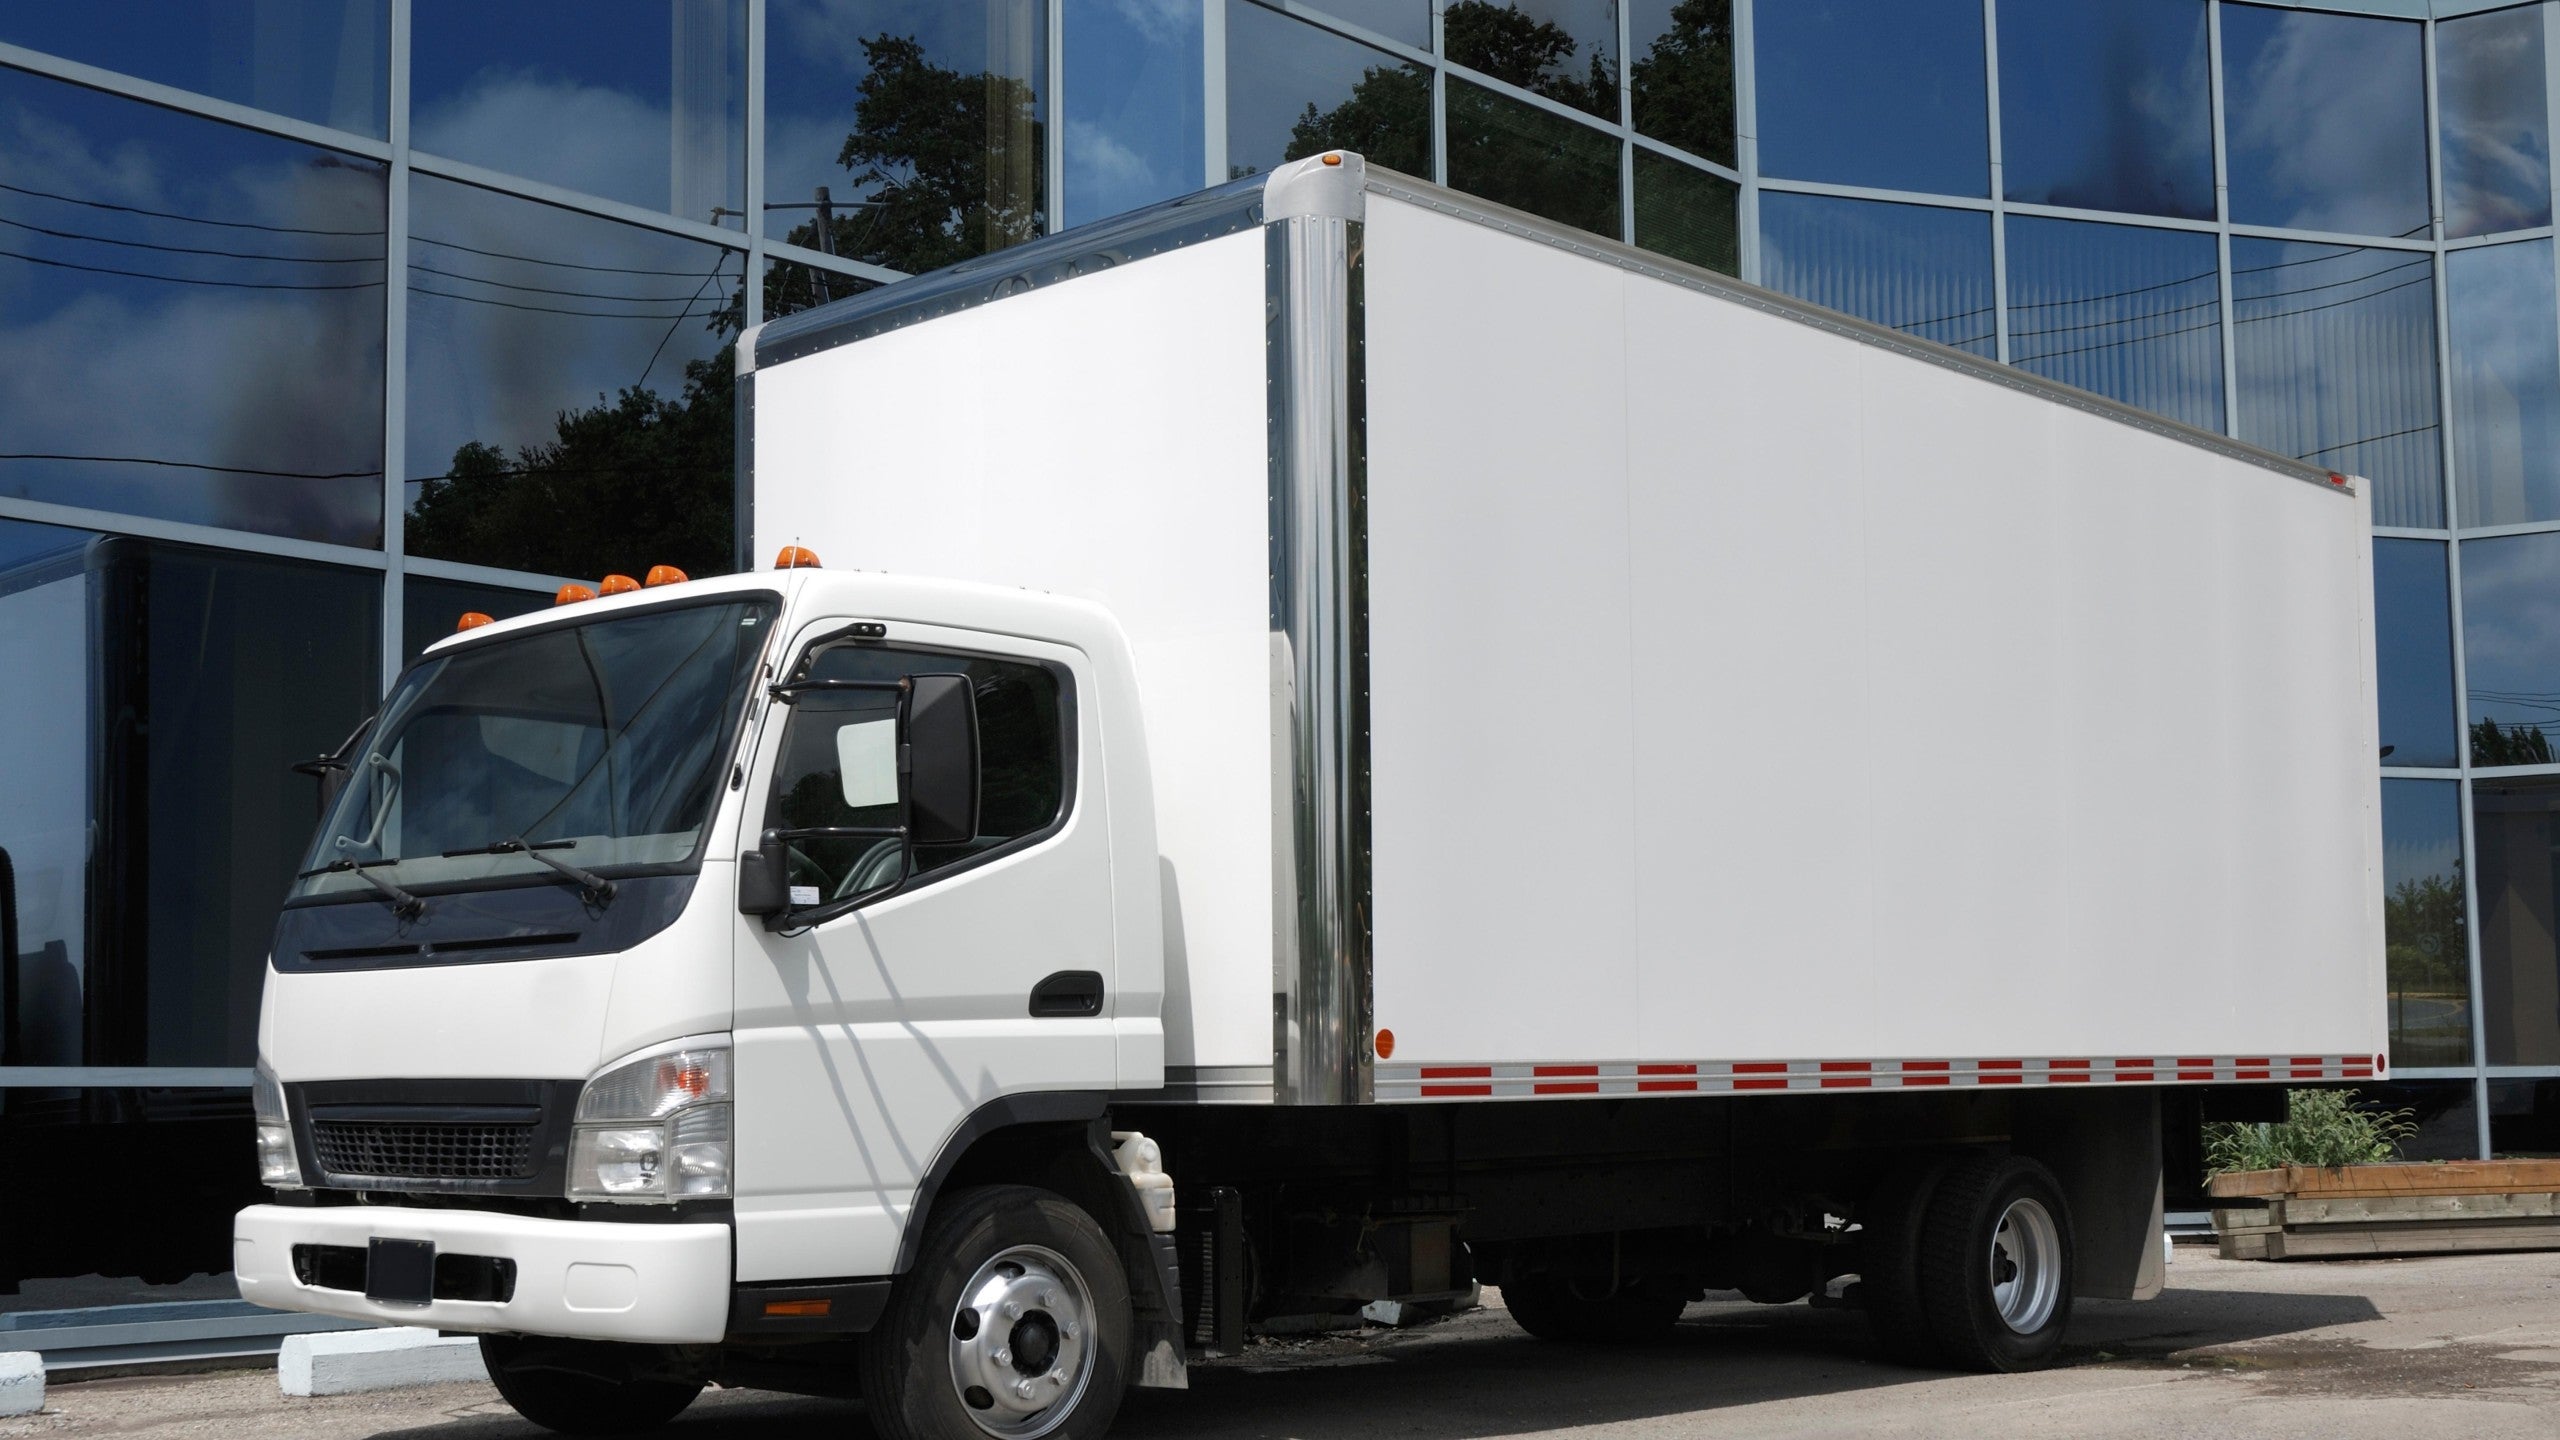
{"x": 417, "y": 1151}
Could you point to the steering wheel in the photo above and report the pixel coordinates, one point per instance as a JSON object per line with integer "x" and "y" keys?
{"x": 878, "y": 866}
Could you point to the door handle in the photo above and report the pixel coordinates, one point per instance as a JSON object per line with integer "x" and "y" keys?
{"x": 1069, "y": 994}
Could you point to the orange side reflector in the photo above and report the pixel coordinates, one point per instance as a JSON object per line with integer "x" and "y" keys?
{"x": 572, "y": 594}
{"x": 1386, "y": 1044}
{"x": 800, "y": 1309}
{"x": 471, "y": 620}
{"x": 618, "y": 585}
{"x": 1333, "y": 159}
{"x": 794, "y": 557}
{"x": 665, "y": 575}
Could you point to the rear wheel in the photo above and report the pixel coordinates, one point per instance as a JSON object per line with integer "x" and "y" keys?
{"x": 1995, "y": 1264}
{"x": 1889, "y": 1226}
{"x": 1548, "y": 1307}
{"x": 584, "y": 1387}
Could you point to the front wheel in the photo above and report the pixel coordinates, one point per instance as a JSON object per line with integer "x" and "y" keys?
{"x": 1549, "y": 1307}
{"x": 583, "y": 1387}
{"x": 1014, "y": 1324}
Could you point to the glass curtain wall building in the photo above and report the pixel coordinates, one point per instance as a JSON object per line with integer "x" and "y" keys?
{"x": 322, "y": 321}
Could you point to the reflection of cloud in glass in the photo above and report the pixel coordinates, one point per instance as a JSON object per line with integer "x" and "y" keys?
{"x": 1133, "y": 104}
{"x": 2506, "y": 384}
{"x": 1918, "y": 269}
{"x": 2128, "y": 312}
{"x": 1874, "y": 92}
{"x": 2327, "y": 124}
{"x": 1281, "y": 72}
{"x": 2511, "y": 630}
{"x": 2105, "y": 104}
{"x": 2497, "y": 129}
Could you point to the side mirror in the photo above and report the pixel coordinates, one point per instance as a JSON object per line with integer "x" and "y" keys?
{"x": 942, "y": 760}
{"x": 764, "y": 879}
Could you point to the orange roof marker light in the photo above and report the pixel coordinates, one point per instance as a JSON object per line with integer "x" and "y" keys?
{"x": 794, "y": 557}
{"x": 618, "y": 585}
{"x": 471, "y": 620}
{"x": 1333, "y": 157}
{"x": 665, "y": 575}
{"x": 572, "y": 594}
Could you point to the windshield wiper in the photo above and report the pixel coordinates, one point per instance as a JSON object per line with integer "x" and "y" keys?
{"x": 592, "y": 888}
{"x": 403, "y": 904}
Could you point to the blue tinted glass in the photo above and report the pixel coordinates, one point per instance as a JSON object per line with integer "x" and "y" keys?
{"x": 2511, "y": 648}
{"x": 2127, "y": 312}
{"x": 641, "y": 101}
{"x": 2326, "y": 121}
{"x": 1680, "y": 84}
{"x": 1293, "y": 90}
{"x": 190, "y": 318}
{"x": 917, "y": 125}
{"x": 325, "y": 61}
{"x": 1914, "y": 268}
{"x": 2104, "y": 104}
{"x": 2497, "y": 126}
{"x": 1133, "y": 105}
{"x": 2413, "y": 651}
{"x": 1566, "y": 50}
{"x": 1874, "y": 92}
{"x": 2429, "y": 965}
{"x": 2337, "y": 365}
{"x": 2506, "y": 383}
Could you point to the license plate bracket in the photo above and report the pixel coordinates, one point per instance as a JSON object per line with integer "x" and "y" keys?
{"x": 400, "y": 1272}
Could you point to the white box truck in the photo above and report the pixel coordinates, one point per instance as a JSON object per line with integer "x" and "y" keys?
{"x": 1347, "y": 742}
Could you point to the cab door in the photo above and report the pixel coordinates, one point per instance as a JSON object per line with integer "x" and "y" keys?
{"x": 909, "y": 986}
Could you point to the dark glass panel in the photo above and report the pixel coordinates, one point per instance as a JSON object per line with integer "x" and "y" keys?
{"x": 2516, "y": 834}
{"x": 2413, "y": 643}
{"x": 1133, "y": 84}
{"x": 325, "y": 61}
{"x": 2511, "y": 648}
{"x": 1405, "y": 20}
{"x": 922, "y": 123}
{"x": 2446, "y": 1112}
{"x": 190, "y": 318}
{"x": 2131, "y": 313}
{"x": 2326, "y": 121}
{"x": 2105, "y": 104}
{"x": 1566, "y": 50}
{"x": 791, "y": 287}
{"x": 1522, "y": 156}
{"x": 1681, "y": 80}
{"x": 642, "y": 101}
{"x": 429, "y": 608}
{"x": 47, "y": 725}
{"x": 2524, "y": 1119}
{"x": 569, "y": 389}
{"x": 1914, "y": 268}
{"x": 2429, "y": 962}
{"x": 1293, "y": 90}
{"x": 1686, "y": 213}
{"x": 1874, "y": 92}
{"x": 2337, "y": 365}
{"x": 2496, "y": 124}
{"x": 2506, "y": 384}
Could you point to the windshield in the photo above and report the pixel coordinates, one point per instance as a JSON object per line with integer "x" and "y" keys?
{"x": 599, "y": 743}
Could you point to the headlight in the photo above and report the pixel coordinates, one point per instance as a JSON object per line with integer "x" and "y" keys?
{"x": 277, "y": 1165}
{"x": 654, "y": 1128}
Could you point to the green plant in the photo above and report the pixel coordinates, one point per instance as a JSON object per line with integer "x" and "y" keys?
{"x": 2321, "y": 1127}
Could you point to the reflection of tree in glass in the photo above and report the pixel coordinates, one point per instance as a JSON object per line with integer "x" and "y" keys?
{"x": 2428, "y": 961}
{"x": 1682, "y": 89}
{"x": 1387, "y": 120}
{"x": 1534, "y": 54}
{"x": 2518, "y": 744}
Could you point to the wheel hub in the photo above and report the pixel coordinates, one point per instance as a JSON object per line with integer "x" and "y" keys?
{"x": 2026, "y": 1266}
{"x": 1022, "y": 1343}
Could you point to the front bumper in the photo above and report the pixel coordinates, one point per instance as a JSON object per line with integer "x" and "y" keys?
{"x": 662, "y": 1284}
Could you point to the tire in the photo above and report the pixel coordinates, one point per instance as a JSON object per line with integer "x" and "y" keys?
{"x": 1889, "y": 1261}
{"x": 946, "y": 1362}
{"x": 1547, "y": 1307}
{"x": 574, "y": 1401}
{"x": 1995, "y": 1264}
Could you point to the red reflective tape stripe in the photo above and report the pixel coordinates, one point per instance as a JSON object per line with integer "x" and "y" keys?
{"x": 1690, "y": 1085}
{"x": 1569, "y": 1087}
{"x": 1457, "y": 1072}
{"x": 1759, "y": 1067}
{"x": 1924, "y": 1080}
{"x": 2066, "y": 1064}
{"x": 1779, "y": 1084}
{"x": 1855, "y": 1066}
{"x": 1666, "y": 1069}
{"x": 2248, "y": 1074}
{"x": 2000, "y": 1064}
{"x": 1910, "y": 1065}
{"x": 1432, "y": 1090}
{"x": 1564, "y": 1070}
{"x": 2307, "y": 1072}
{"x": 1846, "y": 1082}
{"x": 2195, "y": 1074}
{"x": 2001, "y": 1079}
{"x": 2134, "y": 1075}
{"x": 2068, "y": 1077}
{"x": 2314, "y": 1060}
{"x": 2196, "y": 1062}
{"x": 2258, "y": 1061}
{"x": 2142, "y": 1064}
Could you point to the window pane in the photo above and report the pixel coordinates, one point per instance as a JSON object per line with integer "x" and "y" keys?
{"x": 569, "y": 389}
{"x": 1293, "y": 90}
{"x": 1686, "y": 213}
{"x": 1874, "y": 92}
{"x": 1405, "y": 20}
{"x": 1566, "y": 50}
{"x": 429, "y": 608}
{"x": 1133, "y": 106}
{"x": 1518, "y": 155}
{"x": 2413, "y": 641}
{"x": 2506, "y": 384}
{"x": 46, "y": 729}
{"x": 2446, "y": 1112}
{"x": 2524, "y": 1119}
{"x": 2327, "y": 121}
{"x": 2429, "y": 961}
{"x": 2130, "y": 313}
{"x": 2497, "y": 129}
{"x": 641, "y": 101}
{"x": 190, "y": 318}
{"x": 923, "y": 122}
{"x": 2511, "y": 648}
{"x": 790, "y": 287}
{"x": 1681, "y": 83}
{"x": 2105, "y": 104}
{"x": 2516, "y": 834}
{"x": 2336, "y": 347}
{"x": 324, "y": 61}
{"x": 1913, "y": 268}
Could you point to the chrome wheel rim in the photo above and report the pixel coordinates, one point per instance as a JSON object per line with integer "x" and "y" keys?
{"x": 1022, "y": 1343}
{"x": 2026, "y": 1266}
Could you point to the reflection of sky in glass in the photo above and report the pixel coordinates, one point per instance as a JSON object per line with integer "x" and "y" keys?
{"x": 1874, "y": 92}
{"x": 1278, "y": 69}
{"x": 2413, "y": 651}
{"x": 2506, "y": 384}
{"x": 25, "y": 544}
{"x": 641, "y": 101}
{"x": 2326, "y": 118}
{"x": 2130, "y": 313}
{"x": 2497, "y": 129}
{"x": 1914, "y": 268}
{"x": 318, "y": 60}
{"x": 1405, "y": 20}
{"x": 190, "y": 317}
{"x": 2337, "y": 365}
{"x": 2511, "y": 633}
{"x": 2430, "y": 965}
{"x": 1133, "y": 104}
{"x": 2105, "y": 104}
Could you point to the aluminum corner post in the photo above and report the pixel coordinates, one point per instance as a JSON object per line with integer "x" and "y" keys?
{"x": 1321, "y": 1013}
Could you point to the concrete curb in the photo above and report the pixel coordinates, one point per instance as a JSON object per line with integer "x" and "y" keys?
{"x": 347, "y": 1362}
{"x": 21, "y": 1382}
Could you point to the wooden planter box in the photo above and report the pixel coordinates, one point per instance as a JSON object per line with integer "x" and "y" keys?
{"x": 2306, "y": 1211}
